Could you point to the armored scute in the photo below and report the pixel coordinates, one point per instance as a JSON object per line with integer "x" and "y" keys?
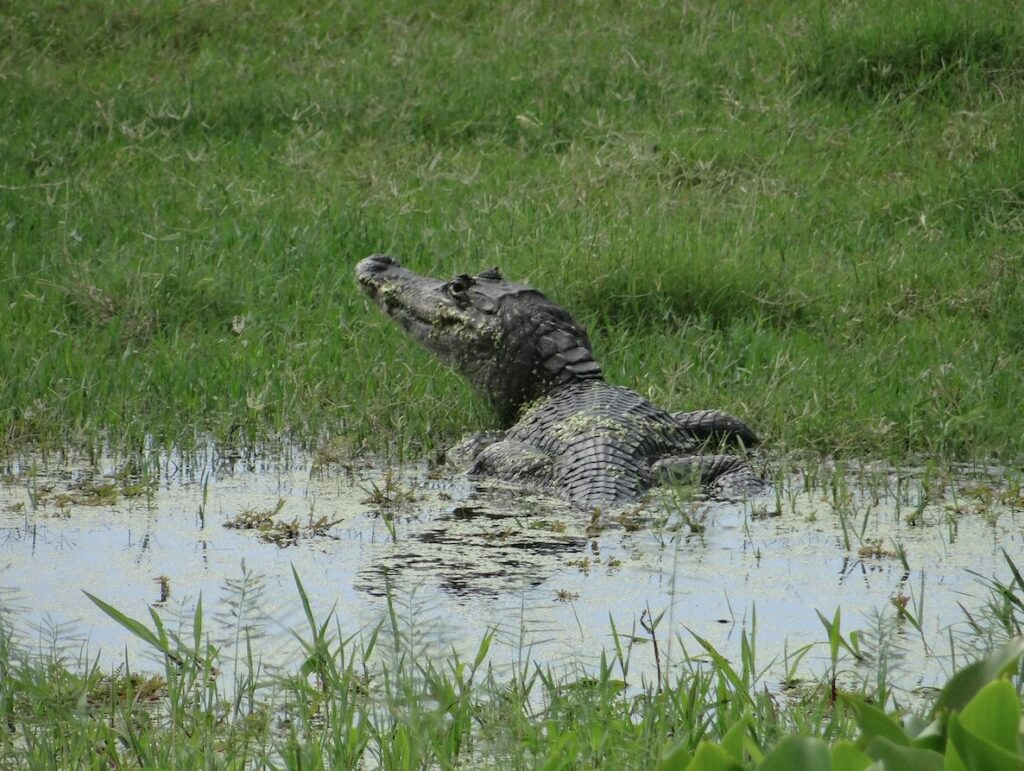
{"x": 569, "y": 431}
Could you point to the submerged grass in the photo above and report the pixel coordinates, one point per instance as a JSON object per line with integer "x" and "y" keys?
{"x": 807, "y": 214}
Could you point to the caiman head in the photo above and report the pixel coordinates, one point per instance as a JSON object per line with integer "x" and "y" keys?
{"x": 510, "y": 341}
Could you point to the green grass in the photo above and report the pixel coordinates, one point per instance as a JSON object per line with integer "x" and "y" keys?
{"x": 375, "y": 700}
{"x": 808, "y": 214}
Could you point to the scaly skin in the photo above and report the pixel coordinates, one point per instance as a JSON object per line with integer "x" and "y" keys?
{"x": 569, "y": 431}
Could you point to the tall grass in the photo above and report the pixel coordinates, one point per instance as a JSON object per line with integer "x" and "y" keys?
{"x": 807, "y": 214}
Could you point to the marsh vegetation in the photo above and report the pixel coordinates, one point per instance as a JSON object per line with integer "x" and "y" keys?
{"x": 810, "y": 215}
{"x": 806, "y": 215}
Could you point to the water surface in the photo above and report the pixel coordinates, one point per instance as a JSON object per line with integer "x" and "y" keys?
{"x": 459, "y": 559}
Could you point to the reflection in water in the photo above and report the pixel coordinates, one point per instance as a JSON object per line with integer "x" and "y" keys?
{"x": 461, "y": 559}
{"x": 470, "y": 554}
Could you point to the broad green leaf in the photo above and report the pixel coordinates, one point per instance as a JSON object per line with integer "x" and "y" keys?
{"x": 914, "y": 725}
{"x": 732, "y": 742}
{"x": 952, "y": 761}
{"x": 756, "y": 756}
{"x": 932, "y": 736}
{"x": 963, "y": 686}
{"x": 977, "y": 754}
{"x": 846, "y": 757}
{"x": 994, "y": 715}
{"x": 875, "y": 723}
{"x": 711, "y": 757}
{"x": 677, "y": 758}
{"x": 798, "y": 752}
{"x": 926, "y": 733}
{"x": 898, "y": 757}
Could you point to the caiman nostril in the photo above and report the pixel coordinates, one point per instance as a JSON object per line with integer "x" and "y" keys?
{"x": 376, "y": 263}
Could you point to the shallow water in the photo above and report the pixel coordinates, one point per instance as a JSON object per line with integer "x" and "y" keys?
{"x": 459, "y": 559}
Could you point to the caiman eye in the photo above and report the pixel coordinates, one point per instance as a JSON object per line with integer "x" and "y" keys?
{"x": 459, "y": 285}
{"x": 491, "y": 273}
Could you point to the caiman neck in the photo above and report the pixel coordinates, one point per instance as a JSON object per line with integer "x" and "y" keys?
{"x": 545, "y": 385}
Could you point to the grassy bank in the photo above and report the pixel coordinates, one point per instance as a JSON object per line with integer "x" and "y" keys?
{"x": 374, "y": 700}
{"x": 807, "y": 214}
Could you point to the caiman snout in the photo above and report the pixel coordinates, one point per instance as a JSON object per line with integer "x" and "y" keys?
{"x": 376, "y": 263}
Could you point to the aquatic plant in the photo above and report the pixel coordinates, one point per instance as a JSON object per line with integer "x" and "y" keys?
{"x": 373, "y": 699}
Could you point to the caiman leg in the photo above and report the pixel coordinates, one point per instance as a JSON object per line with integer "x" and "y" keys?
{"x": 512, "y": 460}
{"x": 465, "y": 452}
{"x": 722, "y": 474}
{"x": 717, "y": 427}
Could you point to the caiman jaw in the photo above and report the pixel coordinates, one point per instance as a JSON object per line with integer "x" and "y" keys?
{"x": 508, "y": 340}
{"x": 408, "y": 298}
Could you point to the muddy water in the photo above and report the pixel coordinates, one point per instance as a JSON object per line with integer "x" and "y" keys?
{"x": 459, "y": 559}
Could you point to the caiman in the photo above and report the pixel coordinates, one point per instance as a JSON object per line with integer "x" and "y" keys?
{"x": 568, "y": 431}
